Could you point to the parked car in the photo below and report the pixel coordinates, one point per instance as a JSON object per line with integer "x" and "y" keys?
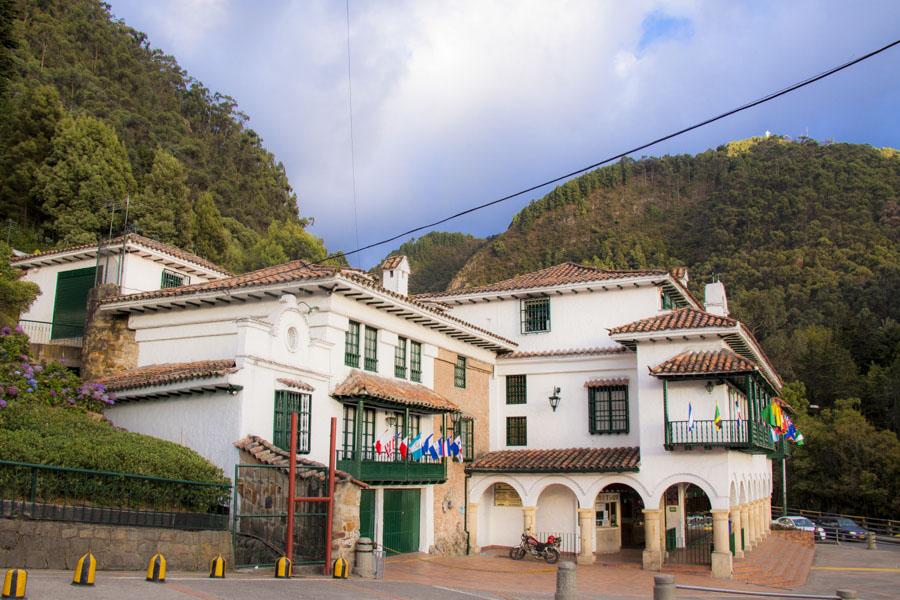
{"x": 842, "y": 528}
{"x": 802, "y": 523}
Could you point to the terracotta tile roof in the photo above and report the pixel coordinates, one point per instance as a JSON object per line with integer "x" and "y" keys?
{"x": 601, "y": 382}
{"x": 392, "y": 262}
{"x": 709, "y": 362}
{"x": 137, "y": 239}
{"x": 565, "y": 460}
{"x": 359, "y": 383}
{"x": 269, "y": 454}
{"x": 682, "y": 318}
{"x": 296, "y": 384}
{"x": 161, "y": 374}
{"x": 565, "y": 352}
{"x": 565, "y": 273}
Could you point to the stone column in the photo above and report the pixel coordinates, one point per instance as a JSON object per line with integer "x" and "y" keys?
{"x": 736, "y": 530}
{"x": 758, "y": 526}
{"x": 586, "y": 536}
{"x": 751, "y": 526}
{"x": 721, "y": 556}
{"x": 745, "y": 524}
{"x": 528, "y": 515}
{"x": 652, "y": 550}
{"x": 472, "y": 525}
{"x": 768, "y": 515}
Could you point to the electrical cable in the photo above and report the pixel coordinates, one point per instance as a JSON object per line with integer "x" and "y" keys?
{"x": 749, "y": 105}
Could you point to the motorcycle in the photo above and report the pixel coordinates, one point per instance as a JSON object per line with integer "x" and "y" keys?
{"x": 548, "y": 550}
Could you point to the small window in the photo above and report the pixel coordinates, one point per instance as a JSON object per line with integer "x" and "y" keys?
{"x": 536, "y": 315}
{"x": 506, "y": 495}
{"x": 415, "y": 426}
{"x": 286, "y": 403}
{"x": 466, "y": 433}
{"x": 371, "y": 349}
{"x": 667, "y": 301}
{"x": 172, "y": 279}
{"x": 516, "y": 431}
{"x": 608, "y": 409}
{"x": 515, "y": 389}
{"x": 400, "y": 358}
{"x": 459, "y": 372}
{"x": 349, "y": 431}
{"x": 349, "y": 434}
{"x": 415, "y": 361}
{"x": 368, "y": 433}
{"x": 351, "y": 345}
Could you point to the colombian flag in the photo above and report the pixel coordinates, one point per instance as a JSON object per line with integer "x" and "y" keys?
{"x": 717, "y": 420}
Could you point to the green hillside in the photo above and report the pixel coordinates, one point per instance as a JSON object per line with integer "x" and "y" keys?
{"x": 435, "y": 258}
{"x": 92, "y": 113}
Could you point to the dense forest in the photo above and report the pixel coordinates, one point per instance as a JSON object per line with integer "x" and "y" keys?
{"x": 436, "y": 257}
{"x": 806, "y": 238}
{"x": 93, "y": 115}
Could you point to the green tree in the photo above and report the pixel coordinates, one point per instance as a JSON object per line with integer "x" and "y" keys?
{"x": 8, "y": 43}
{"x": 15, "y": 295}
{"x": 87, "y": 170}
{"x": 285, "y": 241}
{"x": 162, "y": 210}
{"x": 824, "y": 365}
{"x": 211, "y": 238}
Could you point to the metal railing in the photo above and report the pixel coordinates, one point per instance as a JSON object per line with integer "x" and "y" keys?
{"x": 51, "y": 493}
{"x": 59, "y": 334}
{"x": 705, "y": 433}
{"x": 391, "y": 468}
{"x": 887, "y": 530}
{"x": 569, "y": 542}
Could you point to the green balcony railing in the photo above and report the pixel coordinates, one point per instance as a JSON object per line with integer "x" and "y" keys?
{"x": 392, "y": 469}
{"x": 740, "y": 435}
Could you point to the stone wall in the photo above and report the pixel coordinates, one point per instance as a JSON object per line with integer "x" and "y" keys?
{"x": 57, "y": 545}
{"x": 109, "y": 345}
{"x": 449, "y": 498}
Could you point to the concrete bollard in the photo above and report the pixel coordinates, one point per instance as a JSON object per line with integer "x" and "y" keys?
{"x": 565, "y": 581}
{"x": 872, "y": 543}
{"x": 365, "y": 558}
{"x": 847, "y": 594}
{"x": 663, "y": 587}
{"x": 14, "y": 583}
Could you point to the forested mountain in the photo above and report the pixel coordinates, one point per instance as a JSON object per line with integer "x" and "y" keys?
{"x": 92, "y": 114}
{"x": 435, "y": 258}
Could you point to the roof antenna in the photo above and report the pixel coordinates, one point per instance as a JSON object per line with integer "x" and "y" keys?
{"x": 352, "y": 144}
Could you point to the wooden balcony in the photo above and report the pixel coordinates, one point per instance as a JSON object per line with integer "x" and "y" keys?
{"x": 738, "y": 435}
{"x": 392, "y": 470}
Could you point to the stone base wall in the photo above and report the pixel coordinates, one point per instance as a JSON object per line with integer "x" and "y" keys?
{"x": 57, "y": 545}
{"x": 69, "y": 356}
{"x": 109, "y": 345}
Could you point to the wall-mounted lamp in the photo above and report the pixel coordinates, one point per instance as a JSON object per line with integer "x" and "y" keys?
{"x": 390, "y": 420}
{"x": 554, "y": 399}
{"x": 709, "y": 387}
{"x": 455, "y": 417}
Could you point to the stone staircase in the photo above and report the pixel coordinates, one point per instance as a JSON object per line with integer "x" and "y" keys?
{"x": 782, "y": 560}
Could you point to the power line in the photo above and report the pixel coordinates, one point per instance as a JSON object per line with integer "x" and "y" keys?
{"x": 749, "y": 105}
{"x": 352, "y": 143}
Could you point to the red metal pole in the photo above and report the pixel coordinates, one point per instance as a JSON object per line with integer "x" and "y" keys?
{"x": 292, "y": 491}
{"x": 331, "y": 465}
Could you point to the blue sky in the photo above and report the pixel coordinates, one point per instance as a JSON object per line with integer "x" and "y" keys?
{"x": 459, "y": 102}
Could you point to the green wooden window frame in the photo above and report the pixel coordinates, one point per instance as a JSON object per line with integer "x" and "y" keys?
{"x": 535, "y": 315}
{"x": 368, "y": 433}
{"x": 73, "y": 288}
{"x": 666, "y": 300}
{"x": 400, "y": 358}
{"x": 351, "y": 345}
{"x": 466, "y": 433}
{"x": 287, "y": 402}
{"x": 608, "y": 409}
{"x": 516, "y": 431}
{"x": 415, "y": 361}
{"x": 349, "y": 431}
{"x": 415, "y": 426}
{"x": 516, "y": 390}
{"x": 172, "y": 279}
{"x": 370, "y": 350}
{"x": 459, "y": 372}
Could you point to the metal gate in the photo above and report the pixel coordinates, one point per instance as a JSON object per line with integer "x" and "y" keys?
{"x": 401, "y": 521}
{"x": 698, "y": 531}
{"x": 260, "y": 515}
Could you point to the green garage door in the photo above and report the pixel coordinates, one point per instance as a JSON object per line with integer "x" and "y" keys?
{"x": 401, "y": 521}
{"x": 70, "y": 304}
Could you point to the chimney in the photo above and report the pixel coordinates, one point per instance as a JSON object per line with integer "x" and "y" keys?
{"x": 681, "y": 274}
{"x": 715, "y": 300}
{"x": 395, "y": 274}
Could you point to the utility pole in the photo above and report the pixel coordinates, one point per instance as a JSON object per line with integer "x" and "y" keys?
{"x": 784, "y": 486}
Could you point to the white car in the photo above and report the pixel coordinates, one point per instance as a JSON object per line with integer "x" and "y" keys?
{"x": 801, "y": 523}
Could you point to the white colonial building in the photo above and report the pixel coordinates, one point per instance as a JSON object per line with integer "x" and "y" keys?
{"x": 602, "y": 420}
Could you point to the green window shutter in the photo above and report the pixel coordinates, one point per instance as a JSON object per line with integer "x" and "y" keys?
{"x": 415, "y": 362}
{"x": 608, "y": 409}
{"x": 351, "y": 345}
{"x": 516, "y": 392}
{"x": 70, "y": 302}
{"x": 400, "y": 358}
{"x": 371, "y": 349}
{"x": 286, "y": 403}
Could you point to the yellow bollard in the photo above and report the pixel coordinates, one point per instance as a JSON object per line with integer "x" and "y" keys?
{"x": 156, "y": 569}
{"x": 283, "y": 568}
{"x": 85, "y": 570}
{"x": 217, "y": 568}
{"x": 340, "y": 569}
{"x": 14, "y": 583}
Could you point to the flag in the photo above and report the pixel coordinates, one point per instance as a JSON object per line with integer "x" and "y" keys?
{"x": 799, "y": 439}
{"x": 737, "y": 412}
{"x": 427, "y": 447}
{"x": 460, "y": 454}
{"x": 773, "y": 433}
{"x": 452, "y": 447}
{"x": 441, "y": 447}
{"x": 404, "y": 447}
{"x": 415, "y": 447}
{"x": 433, "y": 451}
{"x": 690, "y": 417}
{"x": 777, "y": 418}
{"x": 391, "y": 445}
{"x": 717, "y": 420}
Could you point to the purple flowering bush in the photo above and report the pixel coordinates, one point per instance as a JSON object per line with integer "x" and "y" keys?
{"x": 23, "y": 379}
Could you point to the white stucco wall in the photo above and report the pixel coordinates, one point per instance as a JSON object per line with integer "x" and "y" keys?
{"x": 45, "y": 278}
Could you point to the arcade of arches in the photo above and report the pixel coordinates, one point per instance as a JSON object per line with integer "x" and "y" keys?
{"x": 683, "y": 528}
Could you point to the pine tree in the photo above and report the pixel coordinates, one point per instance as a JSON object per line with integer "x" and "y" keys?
{"x": 162, "y": 210}
{"x": 87, "y": 171}
{"x": 285, "y": 241}
{"x": 211, "y": 238}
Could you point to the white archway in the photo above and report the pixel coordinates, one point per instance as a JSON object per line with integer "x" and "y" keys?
{"x": 557, "y": 514}
{"x": 716, "y": 499}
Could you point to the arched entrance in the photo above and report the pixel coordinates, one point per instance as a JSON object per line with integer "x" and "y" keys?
{"x": 688, "y": 525}
{"x": 499, "y": 516}
{"x": 619, "y": 519}
{"x": 557, "y": 510}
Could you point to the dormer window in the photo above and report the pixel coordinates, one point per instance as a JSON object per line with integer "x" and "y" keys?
{"x": 535, "y": 315}
{"x": 667, "y": 300}
{"x": 172, "y": 279}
